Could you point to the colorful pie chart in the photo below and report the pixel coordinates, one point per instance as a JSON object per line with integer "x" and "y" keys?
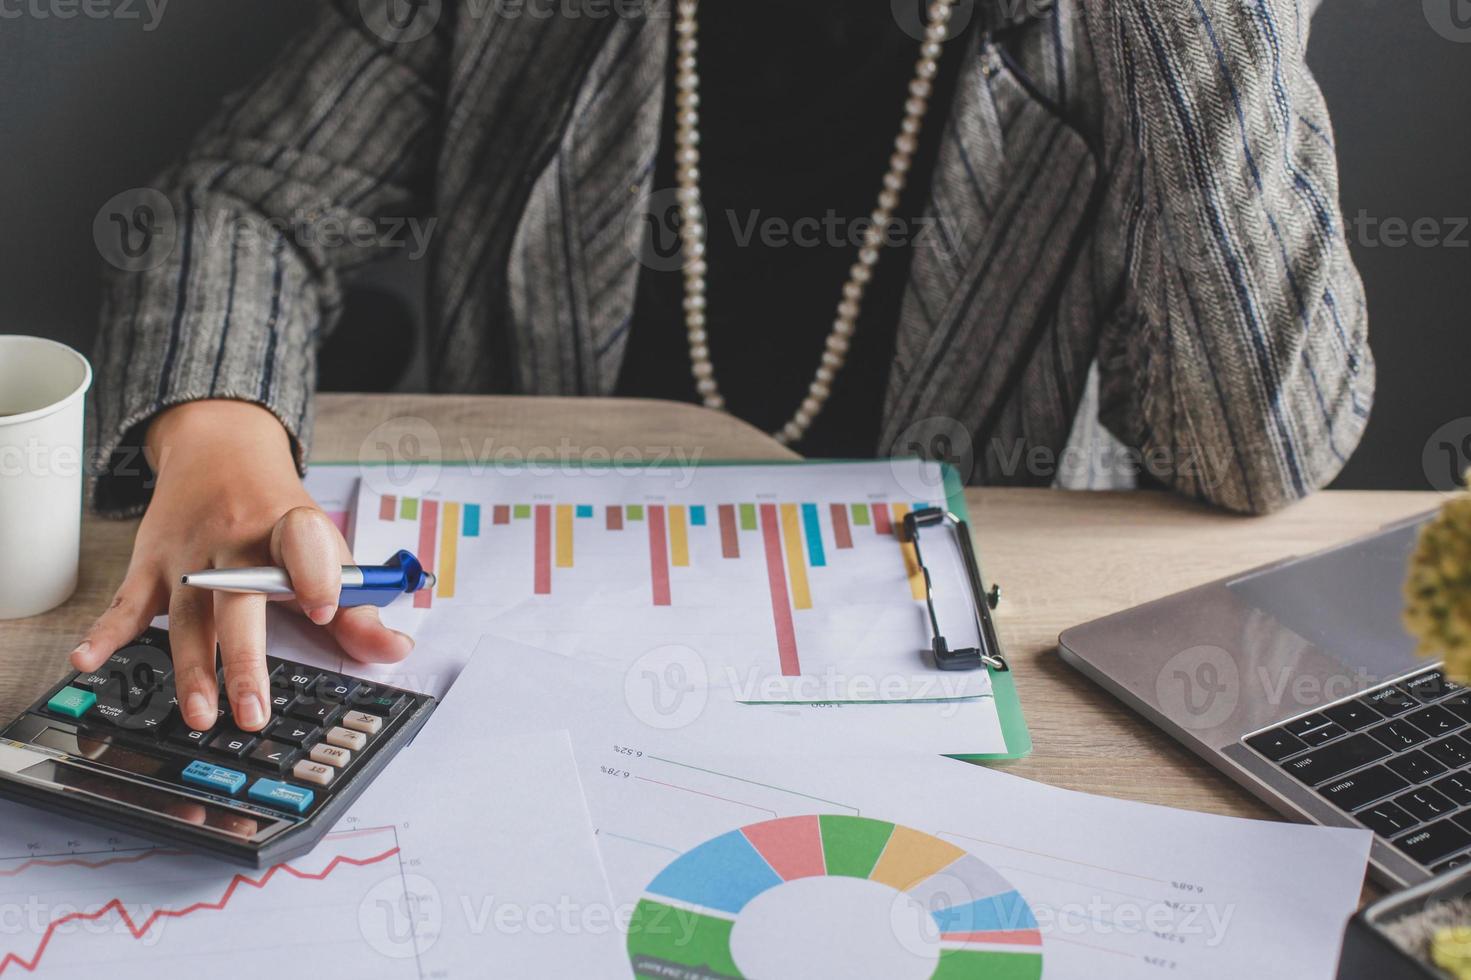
{"x": 975, "y": 924}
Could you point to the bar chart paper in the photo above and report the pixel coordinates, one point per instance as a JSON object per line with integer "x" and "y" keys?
{"x": 783, "y": 583}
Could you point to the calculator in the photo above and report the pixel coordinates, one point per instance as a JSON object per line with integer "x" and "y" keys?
{"x": 110, "y": 747}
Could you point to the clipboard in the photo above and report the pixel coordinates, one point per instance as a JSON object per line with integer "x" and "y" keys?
{"x": 1009, "y": 722}
{"x": 1009, "y": 715}
{"x": 1003, "y": 685}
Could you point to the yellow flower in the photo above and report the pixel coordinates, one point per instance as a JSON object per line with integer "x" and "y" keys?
{"x": 1438, "y": 590}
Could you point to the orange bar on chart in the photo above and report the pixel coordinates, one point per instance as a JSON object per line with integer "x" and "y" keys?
{"x": 449, "y": 549}
{"x": 564, "y": 535}
{"x": 911, "y": 560}
{"x": 679, "y": 537}
{"x": 791, "y": 532}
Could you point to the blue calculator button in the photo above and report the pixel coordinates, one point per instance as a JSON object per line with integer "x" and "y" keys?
{"x": 214, "y": 777}
{"x": 282, "y": 796}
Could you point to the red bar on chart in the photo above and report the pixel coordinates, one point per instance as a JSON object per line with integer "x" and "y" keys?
{"x": 543, "y": 533}
{"x": 387, "y": 508}
{"x": 615, "y": 517}
{"x": 842, "y": 534}
{"x": 501, "y": 514}
{"x": 428, "y": 538}
{"x": 659, "y": 554}
{"x": 730, "y": 542}
{"x": 881, "y": 518}
{"x": 781, "y": 606}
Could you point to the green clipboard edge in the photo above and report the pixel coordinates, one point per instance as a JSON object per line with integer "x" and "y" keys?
{"x": 1003, "y": 686}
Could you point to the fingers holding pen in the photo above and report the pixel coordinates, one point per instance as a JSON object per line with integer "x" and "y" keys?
{"x": 240, "y": 624}
{"x": 308, "y": 545}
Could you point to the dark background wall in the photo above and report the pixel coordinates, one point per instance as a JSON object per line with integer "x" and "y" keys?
{"x": 91, "y": 106}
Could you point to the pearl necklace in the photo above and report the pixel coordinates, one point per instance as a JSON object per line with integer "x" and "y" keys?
{"x": 692, "y": 214}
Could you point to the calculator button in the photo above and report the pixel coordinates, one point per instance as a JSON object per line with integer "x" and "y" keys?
{"x": 282, "y": 796}
{"x": 139, "y": 664}
{"x": 1390, "y": 701}
{"x": 330, "y": 755}
{"x": 292, "y": 732}
{"x": 147, "y": 719}
{"x": 300, "y": 681}
{"x": 282, "y": 700}
{"x": 346, "y": 739}
{"x": 72, "y": 702}
{"x": 361, "y": 721}
{"x": 1385, "y": 819}
{"x": 213, "y": 777}
{"x": 1431, "y": 843}
{"x": 319, "y": 713}
{"x": 233, "y": 744}
{"x": 335, "y": 688}
{"x": 1353, "y": 715}
{"x": 313, "y": 772}
{"x": 1362, "y": 788}
{"x": 89, "y": 681}
{"x": 185, "y": 735}
{"x": 380, "y": 701}
{"x": 275, "y": 755}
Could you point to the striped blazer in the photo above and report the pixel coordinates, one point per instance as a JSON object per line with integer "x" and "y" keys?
{"x": 1144, "y": 268}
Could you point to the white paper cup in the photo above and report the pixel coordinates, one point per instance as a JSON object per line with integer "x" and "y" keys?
{"x": 43, "y": 388}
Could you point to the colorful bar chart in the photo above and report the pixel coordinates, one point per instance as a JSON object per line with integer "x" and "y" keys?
{"x": 793, "y": 538}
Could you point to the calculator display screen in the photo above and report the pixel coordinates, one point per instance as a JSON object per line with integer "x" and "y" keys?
{"x": 101, "y": 751}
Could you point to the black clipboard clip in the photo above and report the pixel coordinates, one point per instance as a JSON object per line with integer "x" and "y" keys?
{"x": 988, "y": 654}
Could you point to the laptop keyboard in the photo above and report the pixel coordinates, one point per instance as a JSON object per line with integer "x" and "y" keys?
{"x": 1397, "y": 759}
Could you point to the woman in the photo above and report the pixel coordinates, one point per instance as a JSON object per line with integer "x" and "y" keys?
{"x": 1117, "y": 214}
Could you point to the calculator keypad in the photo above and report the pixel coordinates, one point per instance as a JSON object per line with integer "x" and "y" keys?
{"x": 323, "y": 725}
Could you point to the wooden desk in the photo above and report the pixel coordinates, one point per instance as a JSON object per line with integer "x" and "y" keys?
{"x": 1061, "y": 558}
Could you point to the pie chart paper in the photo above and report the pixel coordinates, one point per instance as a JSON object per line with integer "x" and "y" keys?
{"x": 832, "y": 895}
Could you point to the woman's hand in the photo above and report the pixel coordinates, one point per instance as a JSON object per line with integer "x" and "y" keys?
{"x": 228, "y": 496}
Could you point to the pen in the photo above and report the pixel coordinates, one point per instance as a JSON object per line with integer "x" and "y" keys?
{"x": 362, "y": 585}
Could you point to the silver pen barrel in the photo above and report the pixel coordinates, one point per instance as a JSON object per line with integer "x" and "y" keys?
{"x": 259, "y": 581}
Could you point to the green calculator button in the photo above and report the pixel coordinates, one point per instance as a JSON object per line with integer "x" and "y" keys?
{"x": 72, "y": 702}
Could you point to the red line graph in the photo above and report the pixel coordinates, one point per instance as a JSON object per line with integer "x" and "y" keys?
{"x": 138, "y": 931}
{"x": 145, "y": 854}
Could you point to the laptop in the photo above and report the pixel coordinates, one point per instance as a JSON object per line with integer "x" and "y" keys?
{"x": 1297, "y": 681}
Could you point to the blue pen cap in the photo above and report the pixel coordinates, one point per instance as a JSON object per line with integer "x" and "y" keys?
{"x": 382, "y": 583}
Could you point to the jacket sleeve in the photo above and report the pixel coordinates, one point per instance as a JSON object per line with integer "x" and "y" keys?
{"x": 1236, "y": 358}
{"x": 227, "y": 271}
